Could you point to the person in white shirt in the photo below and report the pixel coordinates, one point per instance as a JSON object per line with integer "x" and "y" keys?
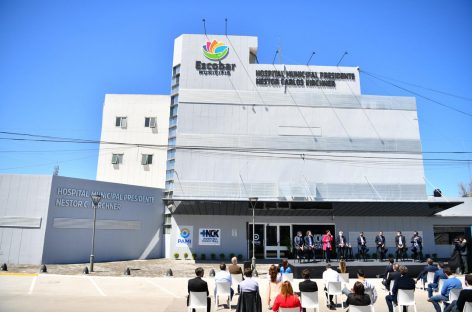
{"x": 368, "y": 287}
{"x": 330, "y": 275}
{"x": 223, "y": 276}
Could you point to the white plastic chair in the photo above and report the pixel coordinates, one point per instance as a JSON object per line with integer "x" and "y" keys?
{"x": 223, "y": 289}
{"x": 236, "y": 279}
{"x": 391, "y": 287}
{"x": 430, "y": 277}
{"x": 310, "y": 300}
{"x": 334, "y": 289}
{"x": 344, "y": 278}
{"x": 370, "y": 294}
{"x": 289, "y": 309}
{"x": 406, "y": 297}
{"x": 287, "y": 277}
{"x": 197, "y": 300}
{"x": 468, "y": 307}
{"x": 440, "y": 284}
{"x": 354, "y": 308}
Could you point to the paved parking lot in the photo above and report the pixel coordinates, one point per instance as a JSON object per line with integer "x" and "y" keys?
{"x": 50, "y": 292}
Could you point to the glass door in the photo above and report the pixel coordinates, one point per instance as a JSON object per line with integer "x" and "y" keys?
{"x": 278, "y": 241}
{"x": 258, "y": 240}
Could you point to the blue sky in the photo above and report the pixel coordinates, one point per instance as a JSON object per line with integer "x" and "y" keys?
{"x": 59, "y": 58}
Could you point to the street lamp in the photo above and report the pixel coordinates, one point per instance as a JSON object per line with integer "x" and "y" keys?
{"x": 95, "y": 200}
{"x": 253, "y": 201}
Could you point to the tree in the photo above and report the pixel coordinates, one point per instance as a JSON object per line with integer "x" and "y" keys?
{"x": 465, "y": 191}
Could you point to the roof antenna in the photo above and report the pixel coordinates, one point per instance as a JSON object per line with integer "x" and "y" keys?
{"x": 310, "y": 58}
{"x": 341, "y": 58}
{"x": 204, "y": 27}
{"x": 226, "y": 27}
{"x": 276, "y": 52}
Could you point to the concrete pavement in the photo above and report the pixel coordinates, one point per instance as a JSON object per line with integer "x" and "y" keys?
{"x": 50, "y": 292}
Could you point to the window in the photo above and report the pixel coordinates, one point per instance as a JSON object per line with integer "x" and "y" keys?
{"x": 146, "y": 159}
{"x": 172, "y": 121}
{"x": 169, "y": 175}
{"x": 173, "y": 111}
{"x": 445, "y": 235}
{"x": 121, "y": 122}
{"x": 176, "y": 70}
{"x": 150, "y": 122}
{"x": 174, "y": 100}
{"x": 170, "y": 164}
{"x": 172, "y": 132}
{"x": 171, "y": 153}
{"x": 117, "y": 159}
{"x": 171, "y": 142}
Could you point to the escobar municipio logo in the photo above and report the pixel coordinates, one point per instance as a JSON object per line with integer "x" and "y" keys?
{"x": 215, "y": 50}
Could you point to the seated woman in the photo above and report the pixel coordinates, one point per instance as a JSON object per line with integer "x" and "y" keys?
{"x": 285, "y": 268}
{"x": 286, "y": 298}
{"x": 342, "y": 266}
{"x": 358, "y": 297}
{"x": 273, "y": 287}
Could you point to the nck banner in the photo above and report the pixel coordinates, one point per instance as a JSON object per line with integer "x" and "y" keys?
{"x": 209, "y": 236}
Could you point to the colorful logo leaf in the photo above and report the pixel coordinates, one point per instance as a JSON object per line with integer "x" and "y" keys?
{"x": 215, "y": 50}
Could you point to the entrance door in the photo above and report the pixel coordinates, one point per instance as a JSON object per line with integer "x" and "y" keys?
{"x": 278, "y": 241}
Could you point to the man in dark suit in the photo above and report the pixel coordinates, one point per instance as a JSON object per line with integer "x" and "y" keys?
{"x": 309, "y": 246}
{"x": 298, "y": 243}
{"x": 362, "y": 246}
{"x": 392, "y": 276}
{"x": 380, "y": 243}
{"x": 430, "y": 267}
{"x": 197, "y": 284}
{"x": 341, "y": 245}
{"x": 402, "y": 282}
{"x": 307, "y": 285}
{"x": 400, "y": 244}
{"x": 388, "y": 269}
{"x": 417, "y": 246}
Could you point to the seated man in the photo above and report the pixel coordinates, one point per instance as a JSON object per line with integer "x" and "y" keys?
{"x": 430, "y": 267}
{"x": 393, "y": 276}
{"x": 197, "y": 284}
{"x": 249, "y": 284}
{"x": 464, "y": 296}
{"x": 368, "y": 287}
{"x": 450, "y": 283}
{"x": 234, "y": 268}
{"x": 223, "y": 276}
{"x": 439, "y": 274}
{"x": 307, "y": 285}
{"x": 388, "y": 269}
{"x": 402, "y": 282}
{"x": 330, "y": 275}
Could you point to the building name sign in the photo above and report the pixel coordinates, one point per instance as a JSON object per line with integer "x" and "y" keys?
{"x": 209, "y": 236}
{"x": 214, "y": 69}
{"x": 302, "y": 79}
{"x": 80, "y": 198}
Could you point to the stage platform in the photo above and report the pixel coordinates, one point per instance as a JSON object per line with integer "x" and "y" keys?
{"x": 372, "y": 268}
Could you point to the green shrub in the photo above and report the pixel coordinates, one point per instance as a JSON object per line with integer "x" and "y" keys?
{"x": 203, "y": 256}
{"x": 185, "y": 256}
{"x": 176, "y": 255}
{"x": 194, "y": 256}
{"x": 213, "y": 256}
{"x": 222, "y": 256}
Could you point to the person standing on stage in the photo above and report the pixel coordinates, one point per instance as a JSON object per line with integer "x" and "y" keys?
{"x": 341, "y": 245}
{"x": 309, "y": 246}
{"x": 362, "y": 246}
{"x": 298, "y": 243}
{"x": 380, "y": 243}
{"x": 463, "y": 253}
{"x": 417, "y": 246}
{"x": 327, "y": 245}
{"x": 400, "y": 245}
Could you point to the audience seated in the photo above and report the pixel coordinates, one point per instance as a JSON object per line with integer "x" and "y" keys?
{"x": 342, "y": 268}
{"x": 392, "y": 276}
{"x": 273, "y": 286}
{"x": 388, "y": 269}
{"x": 439, "y": 274}
{"x": 197, "y": 284}
{"x": 307, "y": 285}
{"x": 223, "y": 276}
{"x": 464, "y": 296}
{"x": 285, "y": 268}
{"x": 234, "y": 268}
{"x": 430, "y": 267}
{"x": 368, "y": 287}
{"x": 286, "y": 298}
{"x": 249, "y": 300}
{"x": 402, "y": 282}
{"x": 330, "y": 275}
{"x": 358, "y": 297}
{"x": 249, "y": 284}
{"x": 443, "y": 296}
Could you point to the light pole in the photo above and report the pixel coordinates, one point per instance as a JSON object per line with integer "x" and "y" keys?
{"x": 95, "y": 200}
{"x": 253, "y": 201}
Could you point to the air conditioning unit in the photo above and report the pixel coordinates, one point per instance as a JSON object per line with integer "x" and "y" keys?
{"x": 124, "y": 122}
{"x": 115, "y": 159}
{"x": 152, "y": 122}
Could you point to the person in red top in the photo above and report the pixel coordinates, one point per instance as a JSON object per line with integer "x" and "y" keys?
{"x": 327, "y": 245}
{"x": 286, "y": 298}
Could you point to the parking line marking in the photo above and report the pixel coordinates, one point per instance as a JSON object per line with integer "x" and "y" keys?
{"x": 162, "y": 288}
{"x": 100, "y": 291}
{"x": 17, "y": 274}
{"x": 33, "y": 283}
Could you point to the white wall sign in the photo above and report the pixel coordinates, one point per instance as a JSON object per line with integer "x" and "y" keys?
{"x": 208, "y": 236}
{"x": 185, "y": 236}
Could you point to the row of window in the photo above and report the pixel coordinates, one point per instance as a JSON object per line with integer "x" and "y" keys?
{"x": 149, "y": 122}
{"x": 146, "y": 159}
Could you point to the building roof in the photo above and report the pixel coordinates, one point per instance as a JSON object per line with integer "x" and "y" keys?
{"x": 462, "y": 210}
